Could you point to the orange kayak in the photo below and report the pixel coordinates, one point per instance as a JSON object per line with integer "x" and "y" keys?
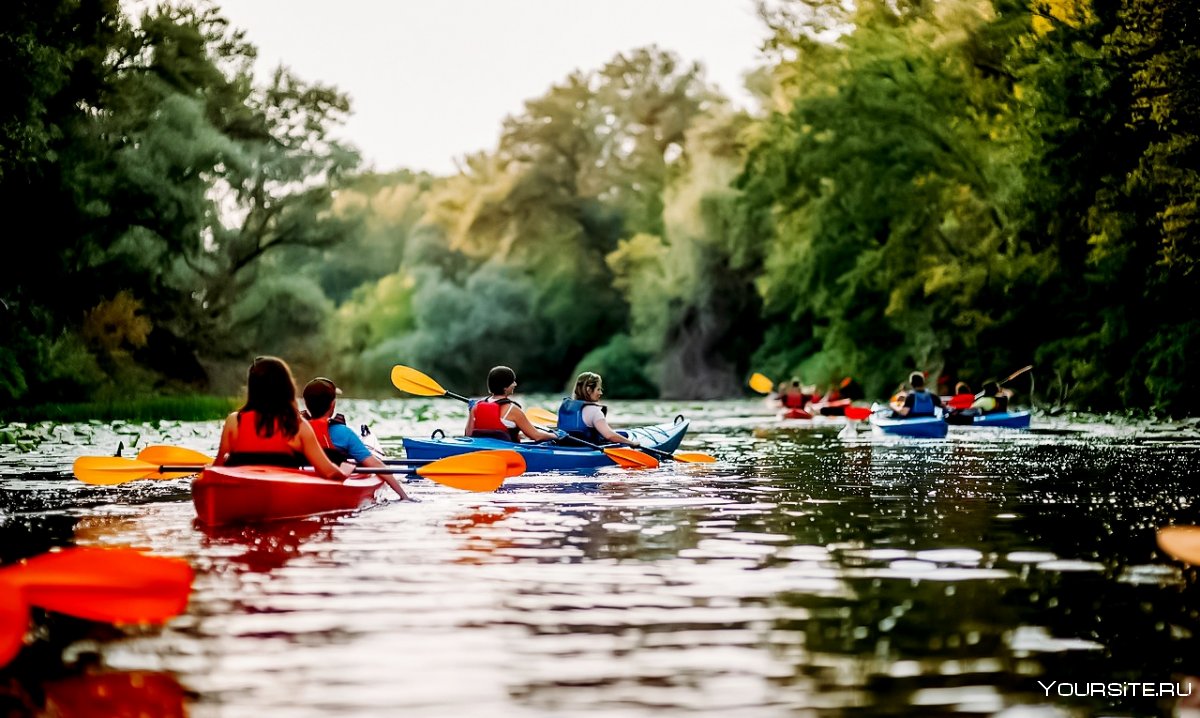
{"x": 251, "y": 494}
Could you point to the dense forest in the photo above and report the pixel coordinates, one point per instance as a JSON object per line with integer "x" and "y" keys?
{"x": 958, "y": 186}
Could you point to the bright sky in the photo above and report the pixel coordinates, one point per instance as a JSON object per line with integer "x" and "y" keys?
{"x": 432, "y": 80}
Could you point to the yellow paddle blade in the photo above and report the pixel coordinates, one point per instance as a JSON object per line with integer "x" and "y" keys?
{"x": 514, "y": 463}
{"x": 477, "y": 471}
{"x": 631, "y": 458}
{"x": 111, "y": 470}
{"x": 542, "y": 416}
{"x": 693, "y": 457}
{"x": 761, "y": 384}
{"x": 1181, "y": 542}
{"x": 410, "y": 380}
{"x": 163, "y": 454}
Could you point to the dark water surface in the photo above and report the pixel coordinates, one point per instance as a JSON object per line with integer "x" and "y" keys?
{"x": 806, "y": 573}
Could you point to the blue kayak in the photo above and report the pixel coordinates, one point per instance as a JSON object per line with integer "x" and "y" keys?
{"x": 1004, "y": 419}
{"x": 923, "y": 427}
{"x": 550, "y": 456}
{"x": 998, "y": 419}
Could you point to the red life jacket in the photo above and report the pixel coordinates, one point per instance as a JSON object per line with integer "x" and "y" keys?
{"x": 794, "y": 401}
{"x": 488, "y": 424}
{"x": 321, "y": 429}
{"x": 250, "y": 448}
{"x": 961, "y": 401}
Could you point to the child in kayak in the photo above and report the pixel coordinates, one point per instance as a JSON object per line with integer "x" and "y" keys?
{"x": 583, "y": 416}
{"x": 498, "y": 416}
{"x": 268, "y": 428}
{"x": 339, "y": 441}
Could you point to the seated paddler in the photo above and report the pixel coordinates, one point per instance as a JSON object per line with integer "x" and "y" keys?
{"x": 498, "y": 416}
{"x": 583, "y": 416}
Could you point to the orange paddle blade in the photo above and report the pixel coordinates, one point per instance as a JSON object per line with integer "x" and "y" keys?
{"x": 115, "y": 585}
{"x": 857, "y": 413}
{"x": 163, "y": 454}
{"x": 14, "y": 621}
{"x": 1181, "y": 542}
{"x": 693, "y": 457}
{"x": 542, "y": 416}
{"x": 761, "y": 384}
{"x": 514, "y": 463}
{"x": 410, "y": 380}
{"x": 631, "y": 458}
{"x": 112, "y": 470}
{"x": 477, "y": 471}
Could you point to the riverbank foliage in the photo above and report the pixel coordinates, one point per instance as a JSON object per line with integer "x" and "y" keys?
{"x": 960, "y": 186}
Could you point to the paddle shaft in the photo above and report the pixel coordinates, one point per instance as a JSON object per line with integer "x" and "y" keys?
{"x": 169, "y": 469}
{"x": 1008, "y": 378}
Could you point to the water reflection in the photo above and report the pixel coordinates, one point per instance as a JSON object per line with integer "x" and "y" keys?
{"x": 805, "y": 574}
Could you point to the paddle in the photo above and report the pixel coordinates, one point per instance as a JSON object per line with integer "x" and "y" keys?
{"x": 687, "y": 457}
{"x": 857, "y": 413}
{"x": 761, "y": 383}
{"x": 414, "y": 382}
{"x": 114, "y": 585}
{"x": 1181, "y": 542}
{"x": 627, "y": 458}
{"x": 410, "y": 380}
{"x": 485, "y": 472}
{"x": 163, "y": 454}
{"x": 539, "y": 415}
{"x": 1008, "y": 378}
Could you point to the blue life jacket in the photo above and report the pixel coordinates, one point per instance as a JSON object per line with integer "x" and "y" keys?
{"x": 922, "y": 404}
{"x": 570, "y": 419}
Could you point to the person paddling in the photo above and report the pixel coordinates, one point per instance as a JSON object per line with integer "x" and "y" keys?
{"x": 583, "y": 416}
{"x": 339, "y": 441}
{"x": 919, "y": 401}
{"x": 795, "y": 396}
{"x": 498, "y": 416}
{"x": 268, "y": 429}
{"x": 993, "y": 399}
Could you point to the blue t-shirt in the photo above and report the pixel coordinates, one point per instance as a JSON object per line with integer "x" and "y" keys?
{"x": 344, "y": 439}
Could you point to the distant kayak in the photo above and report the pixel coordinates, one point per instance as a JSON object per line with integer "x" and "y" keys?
{"x": 549, "y": 456}
{"x": 794, "y": 414}
{"x": 251, "y": 494}
{"x": 923, "y": 427}
{"x": 999, "y": 419}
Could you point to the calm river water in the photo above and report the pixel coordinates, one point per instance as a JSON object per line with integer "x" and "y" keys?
{"x": 991, "y": 573}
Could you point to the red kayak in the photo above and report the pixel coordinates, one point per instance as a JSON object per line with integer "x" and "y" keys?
{"x": 249, "y": 494}
{"x": 795, "y": 414}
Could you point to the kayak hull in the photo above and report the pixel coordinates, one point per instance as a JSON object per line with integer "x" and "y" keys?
{"x": 1004, "y": 419}
{"x": 922, "y": 427}
{"x": 548, "y": 456}
{"x": 253, "y": 494}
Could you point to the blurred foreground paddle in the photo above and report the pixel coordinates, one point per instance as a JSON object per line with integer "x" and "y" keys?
{"x": 410, "y": 380}
{"x": 477, "y": 471}
{"x": 1181, "y": 543}
{"x": 113, "y": 585}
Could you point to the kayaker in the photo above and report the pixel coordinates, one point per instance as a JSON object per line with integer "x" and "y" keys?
{"x": 339, "y": 441}
{"x": 993, "y": 399}
{"x": 795, "y": 396}
{"x": 268, "y": 428}
{"x": 583, "y": 416}
{"x": 498, "y": 416}
{"x": 963, "y": 397}
{"x": 919, "y": 401}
